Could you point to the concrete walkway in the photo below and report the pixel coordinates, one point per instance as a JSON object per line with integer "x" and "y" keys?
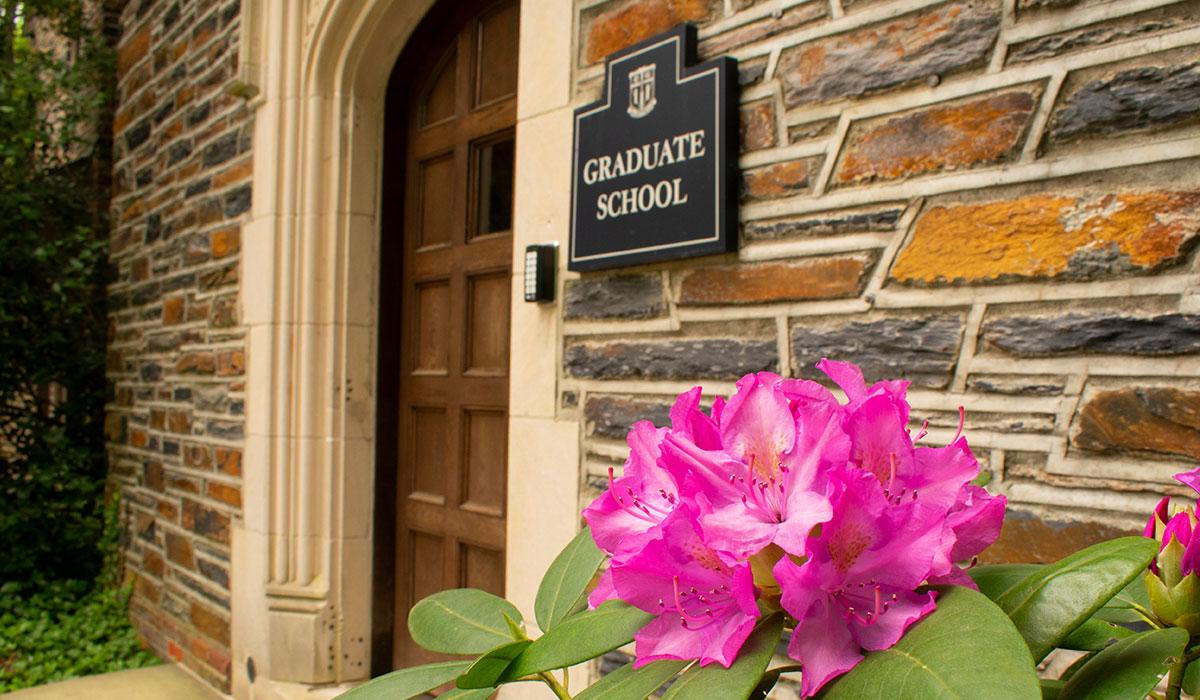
{"x": 165, "y": 682}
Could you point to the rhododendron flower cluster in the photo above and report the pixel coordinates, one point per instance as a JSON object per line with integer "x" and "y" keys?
{"x": 784, "y": 497}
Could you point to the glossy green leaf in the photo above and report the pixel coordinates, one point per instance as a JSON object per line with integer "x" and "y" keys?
{"x": 472, "y": 694}
{"x": 967, "y": 648}
{"x": 461, "y": 621}
{"x": 1123, "y": 606}
{"x": 1095, "y": 635}
{"x": 580, "y": 637}
{"x": 1127, "y": 670}
{"x": 1051, "y": 688}
{"x": 739, "y": 680}
{"x": 1191, "y": 678}
{"x": 489, "y": 668}
{"x": 564, "y": 587}
{"x": 994, "y": 580}
{"x": 1050, "y": 603}
{"x": 627, "y": 683}
{"x": 408, "y": 682}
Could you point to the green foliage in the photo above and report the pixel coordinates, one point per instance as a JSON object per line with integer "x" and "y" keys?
{"x": 1131, "y": 668}
{"x": 462, "y": 621}
{"x": 974, "y": 645}
{"x": 52, "y": 273}
{"x": 1053, "y": 601}
{"x": 57, "y": 630}
{"x": 967, "y": 648}
{"x": 563, "y": 590}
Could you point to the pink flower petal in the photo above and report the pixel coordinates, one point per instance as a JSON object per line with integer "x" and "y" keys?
{"x": 823, "y": 645}
{"x": 1191, "y": 478}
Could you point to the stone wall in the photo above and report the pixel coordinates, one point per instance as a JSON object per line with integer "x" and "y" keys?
{"x": 995, "y": 199}
{"x": 181, "y": 189}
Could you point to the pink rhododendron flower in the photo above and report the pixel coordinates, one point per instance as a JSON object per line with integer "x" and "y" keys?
{"x": 856, "y": 590}
{"x": 705, "y": 608}
{"x": 786, "y": 497}
{"x": 765, "y": 483}
{"x": 626, "y": 516}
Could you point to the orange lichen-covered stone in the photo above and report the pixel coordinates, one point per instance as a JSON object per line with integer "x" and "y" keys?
{"x": 1045, "y": 236}
{"x": 630, "y": 22}
{"x": 942, "y": 138}
{"x": 815, "y": 278}
{"x": 779, "y": 180}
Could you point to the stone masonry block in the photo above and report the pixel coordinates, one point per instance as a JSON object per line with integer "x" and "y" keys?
{"x": 938, "y": 41}
{"x": 613, "y": 416}
{"x": 684, "y": 358}
{"x": 1163, "y": 421}
{"x": 1049, "y": 236}
{"x": 615, "y": 25}
{"x": 946, "y": 137}
{"x": 922, "y": 349}
{"x": 1132, "y": 100}
{"x": 1037, "y": 336}
{"x": 617, "y": 296}
{"x": 758, "y": 128}
{"x": 810, "y": 278}
{"x": 780, "y": 179}
{"x": 824, "y": 224}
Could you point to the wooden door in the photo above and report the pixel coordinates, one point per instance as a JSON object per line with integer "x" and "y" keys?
{"x": 454, "y": 284}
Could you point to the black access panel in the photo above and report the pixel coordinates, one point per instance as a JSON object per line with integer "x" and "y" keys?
{"x": 654, "y": 174}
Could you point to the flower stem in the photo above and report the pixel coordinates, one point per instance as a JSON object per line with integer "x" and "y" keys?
{"x": 561, "y": 692}
{"x": 1175, "y": 679}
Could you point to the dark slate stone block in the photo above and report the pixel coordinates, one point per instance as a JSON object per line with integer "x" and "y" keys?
{"x": 145, "y": 294}
{"x": 613, "y": 416}
{"x": 221, "y": 150}
{"x": 179, "y": 151}
{"x": 199, "y": 114}
{"x": 923, "y": 349}
{"x": 137, "y": 134}
{"x": 144, "y": 177}
{"x": 198, "y": 187}
{"x": 238, "y": 201}
{"x": 621, "y": 296}
{"x": 685, "y": 358}
{"x": 1032, "y": 336}
{"x": 151, "y": 372}
{"x": 1132, "y": 100}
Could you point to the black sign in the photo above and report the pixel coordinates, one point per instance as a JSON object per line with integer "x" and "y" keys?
{"x": 655, "y": 171}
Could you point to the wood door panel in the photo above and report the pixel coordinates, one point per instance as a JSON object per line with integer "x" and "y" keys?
{"x": 455, "y": 277}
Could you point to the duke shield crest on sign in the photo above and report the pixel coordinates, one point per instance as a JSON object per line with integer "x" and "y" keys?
{"x": 641, "y": 91}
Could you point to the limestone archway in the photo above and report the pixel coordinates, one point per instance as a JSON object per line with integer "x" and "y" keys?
{"x": 302, "y": 554}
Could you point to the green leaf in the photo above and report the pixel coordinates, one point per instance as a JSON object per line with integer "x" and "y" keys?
{"x": 1123, "y": 606}
{"x": 564, "y": 587}
{"x": 1131, "y": 668}
{"x": 1095, "y": 635}
{"x": 579, "y": 638}
{"x": 740, "y": 679}
{"x": 473, "y": 694}
{"x": 407, "y": 682}
{"x": 994, "y": 580}
{"x": 626, "y": 683}
{"x": 487, "y": 669}
{"x": 1191, "y": 678}
{"x": 461, "y": 621}
{"x": 967, "y": 648}
{"x": 1050, "y": 603}
{"x": 1051, "y": 688}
